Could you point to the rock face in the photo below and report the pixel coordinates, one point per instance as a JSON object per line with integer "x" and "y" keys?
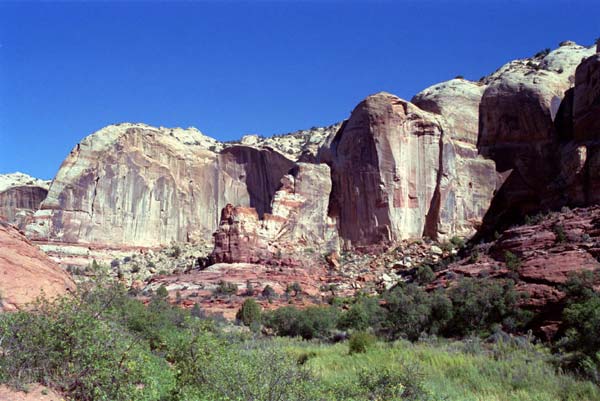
{"x": 298, "y": 220}
{"x": 20, "y": 196}
{"x": 137, "y": 185}
{"x": 26, "y": 272}
{"x": 525, "y": 126}
{"x": 398, "y": 172}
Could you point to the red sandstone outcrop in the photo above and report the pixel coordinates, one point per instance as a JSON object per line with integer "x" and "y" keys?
{"x": 298, "y": 220}
{"x": 546, "y": 253}
{"x": 20, "y": 196}
{"x": 399, "y": 171}
{"x": 26, "y": 272}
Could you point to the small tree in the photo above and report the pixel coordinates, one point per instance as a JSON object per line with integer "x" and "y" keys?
{"x": 249, "y": 313}
{"x": 162, "y": 292}
{"x": 294, "y": 287}
{"x": 268, "y": 292}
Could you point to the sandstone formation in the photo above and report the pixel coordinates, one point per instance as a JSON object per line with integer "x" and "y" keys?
{"x": 525, "y": 127}
{"x": 20, "y": 196}
{"x": 302, "y": 145}
{"x": 298, "y": 220}
{"x": 135, "y": 185}
{"x": 26, "y": 272}
{"x": 399, "y": 171}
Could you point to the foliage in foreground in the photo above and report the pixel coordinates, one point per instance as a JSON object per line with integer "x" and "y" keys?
{"x": 104, "y": 345}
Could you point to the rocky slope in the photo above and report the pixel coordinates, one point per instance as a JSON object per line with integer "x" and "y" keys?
{"x": 20, "y": 196}
{"x": 540, "y": 255}
{"x": 26, "y": 272}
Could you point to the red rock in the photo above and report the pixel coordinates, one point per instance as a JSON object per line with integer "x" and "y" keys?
{"x": 26, "y": 272}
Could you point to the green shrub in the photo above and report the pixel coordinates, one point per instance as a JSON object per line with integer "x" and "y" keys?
{"x": 295, "y": 287}
{"x": 360, "y": 341}
{"x": 542, "y": 53}
{"x": 309, "y": 323}
{"x": 409, "y": 312}
{"x": 249, "y": 313}
{"x": 225, "y": 288}
{"x": 478, "y": 304}
{"x": 560, "y": 234}
{"x": 458, "y": 242}
{"x": 363, "y": 314}
{"x": 403, "y": 383}
{"x": 424, "y": 274}
{"x": 162, "y": 292}
{"x": 268, "y": 292}
{"x": 70, "y": 346}
{"x": 512, "y": 261}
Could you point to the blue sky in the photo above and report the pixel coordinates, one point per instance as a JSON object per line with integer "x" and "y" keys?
{"x": 229, "y": 68}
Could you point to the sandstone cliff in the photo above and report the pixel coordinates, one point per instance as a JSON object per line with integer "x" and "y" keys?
{"x": 20, "y": 196}
{"x": 527, "y": 128}
{"x": 399, "y": 171}
{"x": 133, "y": 184}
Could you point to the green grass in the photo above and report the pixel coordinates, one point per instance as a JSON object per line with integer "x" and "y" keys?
{"x": 454, "y": 370}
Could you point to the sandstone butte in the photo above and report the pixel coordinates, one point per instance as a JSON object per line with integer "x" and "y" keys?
{"x": 461, "y": 157}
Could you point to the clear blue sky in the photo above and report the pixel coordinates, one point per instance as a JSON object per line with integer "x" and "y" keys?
{"x": 68, "y": 69}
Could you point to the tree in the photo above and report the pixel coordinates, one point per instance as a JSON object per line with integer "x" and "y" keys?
{"x": 249, "y": 313}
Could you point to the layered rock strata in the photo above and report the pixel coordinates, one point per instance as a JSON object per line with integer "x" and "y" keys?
{"x": 526, "y": 126}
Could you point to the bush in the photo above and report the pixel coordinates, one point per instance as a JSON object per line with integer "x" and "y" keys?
{"x": 542, "y": 53}
{"x": 363, "y": 314}
{"x": 249, "y": 313}
{"x": 70, "y": 346}
{"x": 457, "y": 242}
{"x": 268, "y": 292}
{"x": 162, "y": 292}
{"x": 424, "y": 274}
{"x": 409, "y": 312}
{"x": 225, "y": 288}
{"x": 560, "y": 234}
{"x": 478, "y": 304}
{"x": 512, "y": 261}
{"x": 360, "y": 341}
{"x": 405, "y": 383}
{"x": 294, "y": 287}
{"x": 309, "y": 323}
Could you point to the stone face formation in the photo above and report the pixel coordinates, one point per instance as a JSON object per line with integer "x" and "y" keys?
{"x": 458, "y": 155}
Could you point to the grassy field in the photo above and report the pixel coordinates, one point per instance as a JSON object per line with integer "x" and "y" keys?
{"x": 454, "y": 371}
